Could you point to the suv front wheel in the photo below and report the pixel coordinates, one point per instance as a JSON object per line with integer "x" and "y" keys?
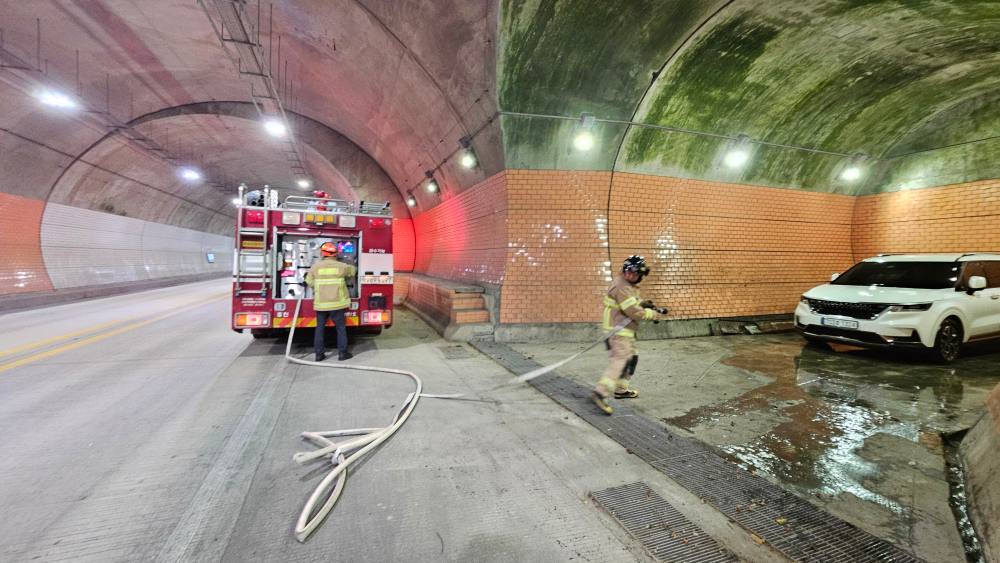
{"x": 948, "y": 343}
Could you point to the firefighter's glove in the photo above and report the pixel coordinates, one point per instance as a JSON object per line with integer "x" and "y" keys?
{"x": 660, "y": 310}
{"x": 647, "y": 304}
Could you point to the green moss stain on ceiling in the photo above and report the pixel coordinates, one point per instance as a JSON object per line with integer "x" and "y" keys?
{"x": 844, "y": 76}
{"x": 565, "y": 57}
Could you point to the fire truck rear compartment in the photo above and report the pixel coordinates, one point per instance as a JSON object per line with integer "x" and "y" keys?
{"x": 297, "y": 253}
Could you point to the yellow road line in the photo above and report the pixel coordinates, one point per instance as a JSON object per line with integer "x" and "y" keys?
{"x": 101, "y": 336}
{"x": 147, "y": 313}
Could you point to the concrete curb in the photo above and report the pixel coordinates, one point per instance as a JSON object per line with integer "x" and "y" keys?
{"x": 42, "y": 299}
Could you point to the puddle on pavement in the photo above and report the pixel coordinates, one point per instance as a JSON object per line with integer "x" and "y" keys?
{"x": 826, "y": 403}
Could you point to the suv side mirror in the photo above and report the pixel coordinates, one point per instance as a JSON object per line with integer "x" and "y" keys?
{"x": 834, "y": 277}
{"x": 976, "y": 283}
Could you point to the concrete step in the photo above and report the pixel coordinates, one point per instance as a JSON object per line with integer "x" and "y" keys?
{"x": 461, "y": 316}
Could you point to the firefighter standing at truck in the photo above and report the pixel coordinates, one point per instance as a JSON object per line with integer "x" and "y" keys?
{"x": 623, "y": 301}
{"x": 330, "y": 298}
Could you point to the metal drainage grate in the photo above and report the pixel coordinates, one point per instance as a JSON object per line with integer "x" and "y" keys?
{"x": 791, "y": 525}
{"x": 665, "y": 533}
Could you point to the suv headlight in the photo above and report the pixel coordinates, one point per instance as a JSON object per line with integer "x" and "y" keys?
{"x": 914, "y": 307}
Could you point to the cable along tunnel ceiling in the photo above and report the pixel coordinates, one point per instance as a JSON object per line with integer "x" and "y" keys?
{"x": 876, "y": 77}
{"x": 400, "y": 81}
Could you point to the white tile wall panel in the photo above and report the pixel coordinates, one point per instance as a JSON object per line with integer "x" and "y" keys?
{"x": 83, "y": 247}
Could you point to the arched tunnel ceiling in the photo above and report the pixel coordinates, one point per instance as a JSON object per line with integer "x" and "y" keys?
{"x": 402, "y": 80}
{"x": 844, "y": 76}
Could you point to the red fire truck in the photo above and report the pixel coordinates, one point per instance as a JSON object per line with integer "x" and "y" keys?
{"x": 277, "y": 242}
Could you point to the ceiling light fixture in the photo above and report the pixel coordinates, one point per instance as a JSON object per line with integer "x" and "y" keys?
{"x": 584, "y": 139}
{"x": 56, "y": 100}
{"x": 411, "y": 201}
{"x": 433, "y": 187}
{"x": 303, "y": 183}
{"x": 275, "y": 128}
{"x": 236, "y": 201}
{"x": 738, "y": 154}
{"x": 468, "y": 159}
{"x": 190, "y": 174}
{"x": 852, "y": 172}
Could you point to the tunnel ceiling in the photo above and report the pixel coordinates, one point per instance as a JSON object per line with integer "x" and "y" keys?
{"x": 843, "y": 76}
{"x": 402, "y": 80}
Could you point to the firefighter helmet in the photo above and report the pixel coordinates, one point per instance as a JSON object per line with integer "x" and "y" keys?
{"x": 637, "y": 264}
{"x": 322, "y": 194}
{"x": 328, "y": 249}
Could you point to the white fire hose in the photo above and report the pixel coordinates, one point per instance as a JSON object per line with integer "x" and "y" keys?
{"x": 363, "y": 440}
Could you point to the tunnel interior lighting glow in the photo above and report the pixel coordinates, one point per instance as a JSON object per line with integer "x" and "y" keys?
{"x": 190, "y": 174}
{"x": 411, "y": 201}
{"x": 739, "y": 152}
{"x": 736, "y": 158}
{"x": 468, "y": 159}
{"x": 851, "y": 173}
{"x": 275, "y": 128}
{"x": 56, "y": 100}
{"x": 236, "y": 201}
{"x": 433, "y": 187}
{"x": 303, "y": 183}
{"x": 584, "y": 141}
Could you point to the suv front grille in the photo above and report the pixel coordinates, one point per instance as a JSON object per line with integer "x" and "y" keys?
{"x": 864, "y": 311}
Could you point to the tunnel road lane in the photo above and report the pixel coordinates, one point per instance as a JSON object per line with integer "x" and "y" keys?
{"x": 179, "y": 308}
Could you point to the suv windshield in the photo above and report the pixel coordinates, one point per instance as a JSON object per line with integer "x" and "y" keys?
{"x": 915, "y": 275}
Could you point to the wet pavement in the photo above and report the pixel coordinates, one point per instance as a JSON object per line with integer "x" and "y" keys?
{"x": 858, "y": 432}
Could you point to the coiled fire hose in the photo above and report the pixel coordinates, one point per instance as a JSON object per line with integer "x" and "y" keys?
{"x": 363, "y": 440}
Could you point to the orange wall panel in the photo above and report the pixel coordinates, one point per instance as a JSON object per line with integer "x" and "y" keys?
{"x": 465, "y": 236}
{"x": 715, "y": 249}
{"x": 403, "y": 250}
{"x": 958, "y": 218}
{"x": 22, "y": 269}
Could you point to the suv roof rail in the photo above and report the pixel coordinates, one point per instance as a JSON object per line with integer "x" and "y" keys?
{"x": 975, "y": 254}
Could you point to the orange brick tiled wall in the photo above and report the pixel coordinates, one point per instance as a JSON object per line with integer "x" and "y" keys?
{"x": 557, "y": 250}
{"x": 722, "y": 250}
{"x": 465, "y": 237}
{"x": 716, "y": 249}
{"x": 957, "y": 218}
{"x": 22, "y": 269}
{"x": 403, "y": 250}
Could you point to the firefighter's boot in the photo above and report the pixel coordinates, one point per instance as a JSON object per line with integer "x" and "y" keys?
{"x": 626, "y": 394}
{"x": 601, "y": 402}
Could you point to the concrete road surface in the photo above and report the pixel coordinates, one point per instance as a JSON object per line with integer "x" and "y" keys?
{"x": 141, "y": 428}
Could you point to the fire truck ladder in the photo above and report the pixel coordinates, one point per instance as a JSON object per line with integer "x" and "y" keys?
{"x": 243, "y": 274}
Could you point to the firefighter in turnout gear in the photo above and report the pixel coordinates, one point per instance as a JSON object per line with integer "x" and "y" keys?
{"x": 330, "y": 298}
{"x": 621, "y": 302}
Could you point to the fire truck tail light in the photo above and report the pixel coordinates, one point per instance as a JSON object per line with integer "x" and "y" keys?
{"x": 255, "y": 217}
{"x": 252, "y": 320}
{"x": 374, "y": 317}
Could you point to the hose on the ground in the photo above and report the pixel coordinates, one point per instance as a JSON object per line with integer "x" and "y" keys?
{"x": 364, "y": 440}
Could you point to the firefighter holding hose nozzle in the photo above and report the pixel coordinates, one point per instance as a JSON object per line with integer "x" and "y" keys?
{"x": 623, "y": 301}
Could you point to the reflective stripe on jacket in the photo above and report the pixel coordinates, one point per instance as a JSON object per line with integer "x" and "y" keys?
{"x": 327, "y": 278}
{"x": 623, "y": 301}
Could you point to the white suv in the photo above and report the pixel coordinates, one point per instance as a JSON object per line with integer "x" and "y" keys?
{"x": 932, "y": 301}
